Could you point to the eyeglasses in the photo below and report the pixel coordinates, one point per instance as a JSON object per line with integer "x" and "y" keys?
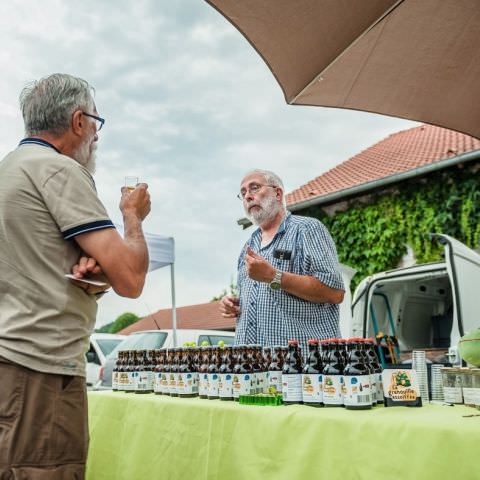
{"x": 100, "y": 121}
{"x": 253, "y": 188}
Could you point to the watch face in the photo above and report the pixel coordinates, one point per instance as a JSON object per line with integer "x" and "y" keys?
{"x": 275, "y": 286}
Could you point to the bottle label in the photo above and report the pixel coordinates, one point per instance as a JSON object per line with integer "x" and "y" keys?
{"x": 143, "y": 381}
{"x": 172, "y": 382}
{"x": 212, "y": 385}
{"x": 203, "y": 385}
{"x": 312, "y": 388}
{"x": 242, "y": 384}
{"x": 379, "y": 385}
{"x": 333, "y": 389}
{"x": 225, "y": 385}
{"x": 114, "y": 380}
{"x": 358, "y": 390}
{"x": 187, "y": 383}
{"x": 292, "y": 387}
{"x": 453, "y": 394}
{"x": 275, "y": 381}
{"x": 164, "y": 383}
{"x": 157, "y": 378}
{"x": 130, "y": 382}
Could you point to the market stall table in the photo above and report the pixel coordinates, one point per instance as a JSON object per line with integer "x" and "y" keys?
{"x": 147, "y": 437}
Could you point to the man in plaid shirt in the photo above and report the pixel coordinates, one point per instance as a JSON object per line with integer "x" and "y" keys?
{"x": 289, "y": 279}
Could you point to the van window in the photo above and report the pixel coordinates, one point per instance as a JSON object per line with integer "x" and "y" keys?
{"x": 108, "y": 344}
{"x": 214, "y": 339}
{"x": 140, "y": 341}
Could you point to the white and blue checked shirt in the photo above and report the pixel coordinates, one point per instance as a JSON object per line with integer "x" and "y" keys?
{"x": 272, "y": 317}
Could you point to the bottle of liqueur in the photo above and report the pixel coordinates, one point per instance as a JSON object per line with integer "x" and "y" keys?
{"x": 357, "y": 380}
{"x": 275, "y": 370}
{"x": 213, "y": 370}
{"x": 333, "y": 387}
{"x": 312, "y": 393}
{"x": 292, "y": 375}
{"x": 225, "y": 374}
{"x": 242, "y": 373}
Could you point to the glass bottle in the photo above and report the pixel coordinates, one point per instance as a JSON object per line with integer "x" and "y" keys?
{"x": 213, "y": 367}
{"x": 312, "y": 376}
{"x": 333, "y": 386}
{"x": 225, "y": 374}
{"x": 357, "y": 380}
{"x": 242, "y": 373}
{"x": 203, "y": 373}
{"x": 292, "y": 375}
{"x": 275, "y": 370}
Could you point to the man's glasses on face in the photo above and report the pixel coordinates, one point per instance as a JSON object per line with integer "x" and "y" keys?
{"x": 98, "y": 120}
{"x": 253, "y": 189}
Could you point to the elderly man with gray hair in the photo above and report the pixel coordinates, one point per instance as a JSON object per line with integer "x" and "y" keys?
{"x": 52, "y": 223}
{"x": 289, "y": 279}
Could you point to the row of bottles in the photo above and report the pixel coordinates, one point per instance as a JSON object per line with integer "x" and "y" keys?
{"x": 337, "y": 372}
{"x": 340, "y": 373}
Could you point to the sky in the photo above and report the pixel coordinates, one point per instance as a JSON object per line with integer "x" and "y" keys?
{"x": 190, "y": 107}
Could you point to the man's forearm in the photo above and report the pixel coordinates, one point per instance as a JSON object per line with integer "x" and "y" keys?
{"x": 310, "y": 288}
{"x": 136, "y": 243}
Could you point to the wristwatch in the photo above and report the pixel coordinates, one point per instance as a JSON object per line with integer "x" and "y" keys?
{"x": 276, "y": 283}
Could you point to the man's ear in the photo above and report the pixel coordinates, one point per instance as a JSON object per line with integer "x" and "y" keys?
{"x": 78, "y": 122}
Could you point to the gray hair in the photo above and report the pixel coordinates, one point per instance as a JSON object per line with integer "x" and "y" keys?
{"x": 47, "y": 104}
{"x": 272, "y": 179}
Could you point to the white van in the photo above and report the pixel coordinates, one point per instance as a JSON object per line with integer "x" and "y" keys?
{"x": 424, "y": 307}
{"x": 154, "y": 339}
{"x": 101, "y": 344}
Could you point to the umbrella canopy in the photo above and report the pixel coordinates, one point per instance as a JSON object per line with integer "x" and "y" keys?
{"x": 414, "y": 59}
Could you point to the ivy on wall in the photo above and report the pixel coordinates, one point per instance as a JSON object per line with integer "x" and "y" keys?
{"x": 372, "y": 236}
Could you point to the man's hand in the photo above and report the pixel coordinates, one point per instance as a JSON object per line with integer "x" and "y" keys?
{"x": 258, "y": 268}
{"x": 230, "y": 306}
{"x": 136, "y": 201}
{"x": 88, "y": 268}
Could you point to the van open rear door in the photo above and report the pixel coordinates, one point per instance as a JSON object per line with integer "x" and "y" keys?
{"x": 463, "y": 267}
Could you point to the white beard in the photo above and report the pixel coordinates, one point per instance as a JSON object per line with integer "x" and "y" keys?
{"x": 269, "y": 208}
{"x": 86, "y": 156}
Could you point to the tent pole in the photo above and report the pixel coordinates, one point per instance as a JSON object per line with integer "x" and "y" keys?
{"x": 174, "y": 310}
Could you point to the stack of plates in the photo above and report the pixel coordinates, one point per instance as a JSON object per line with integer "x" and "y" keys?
{"x": 419, "y": 364}
{"x": 437, "y": 383}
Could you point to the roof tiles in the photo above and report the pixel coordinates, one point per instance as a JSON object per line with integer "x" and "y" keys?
{"x": 201, "y": 316}
{"x": 398, "y": 153}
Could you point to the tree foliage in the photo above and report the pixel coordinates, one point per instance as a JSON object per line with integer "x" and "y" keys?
{"x": 123, "y": 321}
{"x": 372, "y": 237}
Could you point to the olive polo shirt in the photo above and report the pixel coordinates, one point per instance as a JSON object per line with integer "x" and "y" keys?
{"x": 46, "y": 199}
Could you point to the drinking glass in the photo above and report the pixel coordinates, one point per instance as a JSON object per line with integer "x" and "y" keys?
{"x": 131, "y": 183}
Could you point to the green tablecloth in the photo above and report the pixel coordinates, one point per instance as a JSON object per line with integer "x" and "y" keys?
{"x": 150, "y": 437}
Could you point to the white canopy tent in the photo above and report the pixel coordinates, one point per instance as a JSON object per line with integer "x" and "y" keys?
{"x": 162, "y": 253}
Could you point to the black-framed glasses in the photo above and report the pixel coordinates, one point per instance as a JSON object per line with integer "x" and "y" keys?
{"x": 100, "y": 121}
{"x": 253, "y": 188}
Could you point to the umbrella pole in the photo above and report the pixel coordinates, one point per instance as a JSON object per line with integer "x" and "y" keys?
{"x": 174, "y": 310}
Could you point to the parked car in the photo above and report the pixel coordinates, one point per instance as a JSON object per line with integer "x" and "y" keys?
{"x": 101, "y": 344}
{"x": 155, "y": 339}
{"x": 424, "y": 307}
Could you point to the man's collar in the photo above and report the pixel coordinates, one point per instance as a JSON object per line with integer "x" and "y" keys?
{"x": 38, "y": 141}
{"x": 281, "y": 227}
{"x": 285, "y": 220}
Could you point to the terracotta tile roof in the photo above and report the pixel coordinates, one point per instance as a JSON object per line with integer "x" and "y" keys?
{"x": 201, "y": 316}
{"x": 398, "y": 153}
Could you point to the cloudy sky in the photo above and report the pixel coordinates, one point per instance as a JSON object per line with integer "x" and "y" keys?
{"x": 189, "y": 108}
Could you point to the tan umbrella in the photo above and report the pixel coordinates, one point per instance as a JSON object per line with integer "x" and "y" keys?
{"x": 415, "y": 59}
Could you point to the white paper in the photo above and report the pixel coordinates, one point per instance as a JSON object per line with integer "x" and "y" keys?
{"x": 85, "y": 280}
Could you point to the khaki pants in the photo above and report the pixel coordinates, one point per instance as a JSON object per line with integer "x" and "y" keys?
{"x": 43, "y": 425}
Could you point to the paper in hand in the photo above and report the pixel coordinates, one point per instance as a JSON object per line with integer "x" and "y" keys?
{"x": 86, "y": 280}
